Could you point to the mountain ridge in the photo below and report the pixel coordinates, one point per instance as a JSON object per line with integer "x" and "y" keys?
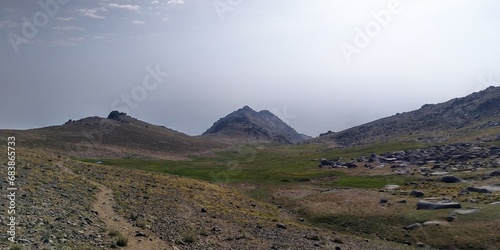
{"x": 440, "y": 122}
{"x": 249, "y": 125}
{"x": 118, "y": 135}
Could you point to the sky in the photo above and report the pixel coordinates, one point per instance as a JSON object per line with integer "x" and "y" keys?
{"x": 319, "y": 65}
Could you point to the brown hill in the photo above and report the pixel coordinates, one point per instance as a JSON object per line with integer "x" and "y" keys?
{"x": 118, "y": 135}
{"x": 466, "y": 118}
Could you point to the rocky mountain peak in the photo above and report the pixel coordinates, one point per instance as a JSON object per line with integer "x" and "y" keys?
{"x": 248, "y": 124}
{"x": 115, "y": 115}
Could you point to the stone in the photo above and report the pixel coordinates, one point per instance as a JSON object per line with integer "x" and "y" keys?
{"x": 140, "y": 234}
{"x": 466, "y": 211}
{"x": 478, "y": 190}
{"x": 494, "y": 173}
{"x": 391, "y": 187}
{"x": 417, "y": 193}
{"x": 437, "y": 205}
{"x": 436, "y": 223}
{"x": 281, "y": 225}
{"x": 115, "y": 115}
{"x": 383, "y": 201}
{"x": 413, "y": 226}
{"x": 450, "y": 179}
{"x": 451, "y": 217}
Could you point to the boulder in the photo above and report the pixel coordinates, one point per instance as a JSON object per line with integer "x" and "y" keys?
{"x": 436, "y": 223}
{"x": 413, "y": 226}
{"x": 391, "y": 187}
{"x": 450, "y": 179}
{"x": 383, "y": 201}
{"x": 417, "y": 193}
{"x": 437, "y": 205}
{"x": 115, "y": 115}
{"x": 494, "y": 173}
{"x": 466, "y": 211}
{"x": 478, "y": 190}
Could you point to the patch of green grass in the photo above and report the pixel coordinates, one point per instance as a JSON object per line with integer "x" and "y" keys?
{"x": 265, "y": 163}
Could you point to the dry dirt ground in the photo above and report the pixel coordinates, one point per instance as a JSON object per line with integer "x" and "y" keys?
{"x": 103, "y": 207}
{"x": 63, "y": 204}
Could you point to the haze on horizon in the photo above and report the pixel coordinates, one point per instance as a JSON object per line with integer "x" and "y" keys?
{"x": 319, "y": 65}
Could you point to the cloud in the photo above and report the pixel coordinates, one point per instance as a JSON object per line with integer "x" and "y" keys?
{"x": 155, "y": 2}
{"x": 125, "y": 6}
{"x": 67, "y": 28}
{"x": 69, "y": 42}
{"x": 138, "y": 22}
{"x": 65, "y": 18}
{"x": 91, "y": 12}
{"x": 175, "y": 2}
{"x": 9, "y": 24}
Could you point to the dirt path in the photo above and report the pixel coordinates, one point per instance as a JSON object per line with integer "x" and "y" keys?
{"x": 104, "y": 207}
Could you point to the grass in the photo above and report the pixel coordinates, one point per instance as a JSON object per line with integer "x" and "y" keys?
{"x": 122, "y": 240}
{"x": 256, "y": 163}
{"x": 268, "y": 168}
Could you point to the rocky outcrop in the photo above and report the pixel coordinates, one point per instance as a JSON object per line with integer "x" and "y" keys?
{"x": 422, "y": 204}
{"x": 474, "y": 112}
{"x": 246, "y": 124}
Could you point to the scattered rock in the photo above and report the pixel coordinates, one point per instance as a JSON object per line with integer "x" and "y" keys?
{"x": 203, "y": 210}
{"x": 392, "y": 187}
{"x": 436, "y": 223}
{"x": 417, "y": 193}
{"x": 420, "y": 244}
{"x": 450, "y": 179}
{"x": 478, "y": 190}
{"x": 383, "y": 201}
{"x": 451, "y": 217}
{"x": 281, "y": 225}
{"x": 413, "y": 226}
{"x": 437, "y": 205}
{"x": 466, "y": 211}
{"x": 140, "y": 234}
{"x": 494, "y": 173}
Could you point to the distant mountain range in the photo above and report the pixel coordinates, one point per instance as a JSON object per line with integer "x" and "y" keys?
{"x": 248, "y": 125}
{"x": 476, "y": 116}
{"x": 468, "y": 118}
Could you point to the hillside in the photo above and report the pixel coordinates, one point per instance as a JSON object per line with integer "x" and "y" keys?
{"x": 118, "y": 135}
{"x": 466, "y": 118}
{"x": 246, "y": 124}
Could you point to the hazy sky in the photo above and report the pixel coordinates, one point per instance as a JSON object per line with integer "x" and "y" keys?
{"x": 318, "y": 64}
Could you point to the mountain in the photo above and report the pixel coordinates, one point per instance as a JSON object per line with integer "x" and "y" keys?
{"x": 118, "y": 135}
{"x": 246, "y": 124}
{"x": 467, "y": 118}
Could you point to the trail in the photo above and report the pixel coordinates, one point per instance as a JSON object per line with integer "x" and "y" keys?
{"x": 104, "y": 207}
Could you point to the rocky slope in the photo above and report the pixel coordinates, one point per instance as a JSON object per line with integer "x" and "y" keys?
{"x": 246, "y": 124}
{"x": 477, "y": 114}
{"x": 118, "y": 135}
